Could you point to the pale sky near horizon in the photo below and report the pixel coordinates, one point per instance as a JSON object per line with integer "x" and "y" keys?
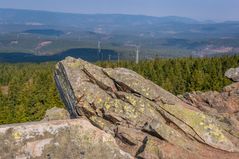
{"x": 219, "y": 10}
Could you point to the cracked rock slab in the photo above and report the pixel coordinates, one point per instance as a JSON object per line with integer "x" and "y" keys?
{"x": 145, "y": 120}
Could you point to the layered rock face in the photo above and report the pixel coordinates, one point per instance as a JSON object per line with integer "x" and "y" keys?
{"x": 224, "y": 106}
{"x": 212, "y": 102}
{"x": 145, "y": 120}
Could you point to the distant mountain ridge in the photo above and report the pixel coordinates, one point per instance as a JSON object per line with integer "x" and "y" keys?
{"x": 18, "y": 16}
{"x": 26, "y": 30}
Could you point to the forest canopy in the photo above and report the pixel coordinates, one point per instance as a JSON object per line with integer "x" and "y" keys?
{"x": 27, "y": 90}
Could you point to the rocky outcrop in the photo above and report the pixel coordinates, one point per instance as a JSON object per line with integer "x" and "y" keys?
{"x": 145, "y": 120}
{"x": 233, "y": 74}
{"x": 61, "y": 139}
{"x": 224, "y": 106}
{"x": 226, "y": 101}
{"x": 119, "y": 114}
{"x": 56, "y": 114}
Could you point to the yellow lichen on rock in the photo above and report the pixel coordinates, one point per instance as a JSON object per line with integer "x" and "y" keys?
{"x": 203, "y": 125}
{"x": 17, "y": 135}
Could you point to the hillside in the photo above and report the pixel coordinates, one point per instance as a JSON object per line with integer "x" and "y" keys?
{"x": 25, "y": 30}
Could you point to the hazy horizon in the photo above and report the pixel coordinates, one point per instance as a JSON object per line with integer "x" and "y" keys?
{"x": 217, "y": 10}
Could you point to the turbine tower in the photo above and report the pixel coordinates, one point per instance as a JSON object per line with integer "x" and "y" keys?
{"x": 137, "y": 55}
{"x": 99, "y": 50}
{"x": 99, "y": 46}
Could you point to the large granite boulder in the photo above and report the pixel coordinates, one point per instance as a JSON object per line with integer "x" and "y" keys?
{"x": 145, "y": 120}
{"x": 233, "y": 74}
{"x": 60, "y": 139}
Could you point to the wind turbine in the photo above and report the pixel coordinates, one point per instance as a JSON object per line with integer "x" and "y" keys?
{"x": 137, "y": 54}
{"x": 99, "y": 50}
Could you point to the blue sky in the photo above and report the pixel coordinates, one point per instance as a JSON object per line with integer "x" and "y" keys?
{"x": 219, "y": 10}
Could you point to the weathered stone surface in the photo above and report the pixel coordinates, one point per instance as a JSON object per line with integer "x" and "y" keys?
{"x": 223, "y": 106}
{"x": 226, "y": 101}
{"x": 146, "y": 120}
{"x": 233, "y": 74}
{"x": 71, "y": 139}
{"x": 56, "y": 114}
